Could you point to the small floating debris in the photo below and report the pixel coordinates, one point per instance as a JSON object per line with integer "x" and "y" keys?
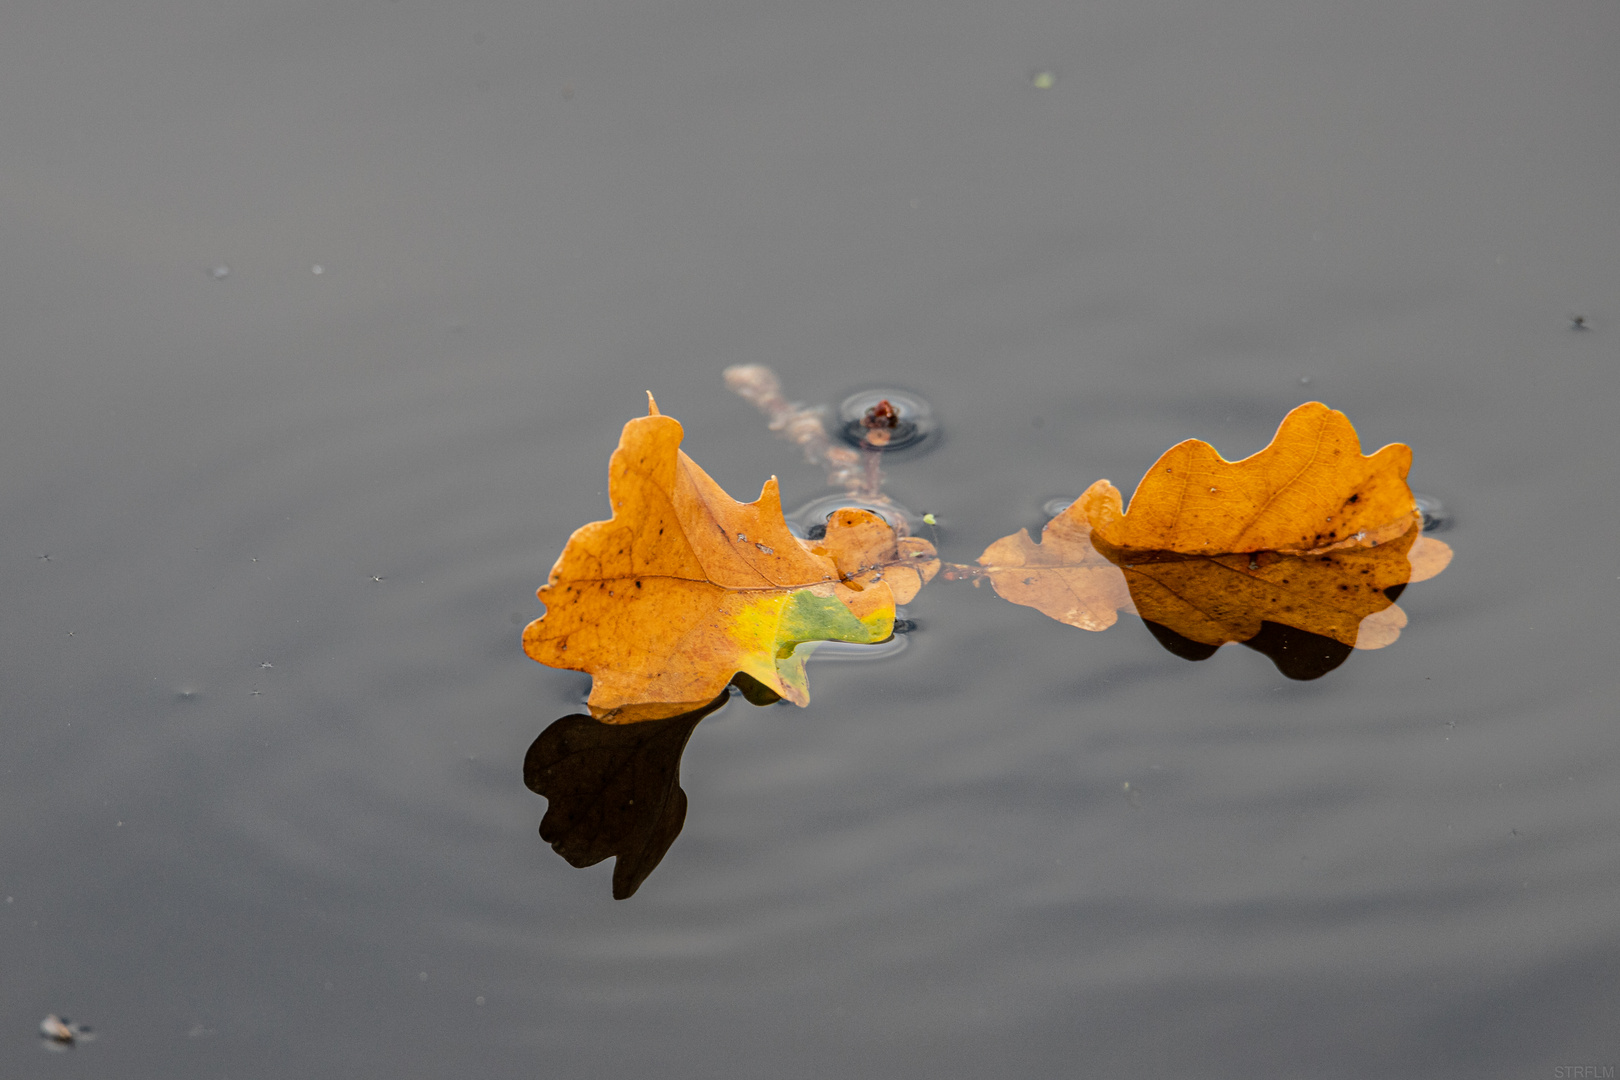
{"x": 885, "y": 419}
{"x": 220, "y": 272}
{"x": 60, "y": 1033}
{"x": 1043, "y": 80}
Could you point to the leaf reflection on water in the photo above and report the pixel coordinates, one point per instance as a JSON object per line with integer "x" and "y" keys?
{"x": 1298, "y": 552}
{"x": 615, "y": 789}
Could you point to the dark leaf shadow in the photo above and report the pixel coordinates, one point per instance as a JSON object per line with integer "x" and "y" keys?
{"x": 1298, "y": 654}
{"x": 615, "y": 789}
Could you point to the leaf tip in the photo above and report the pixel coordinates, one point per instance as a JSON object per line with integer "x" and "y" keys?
{"x": 652, "y": 405}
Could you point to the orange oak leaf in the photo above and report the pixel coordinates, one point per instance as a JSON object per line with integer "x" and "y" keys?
{"x": 684, "y": 587}
{"x": 1311, "y": 488}
{"x": 1344, "y": 529}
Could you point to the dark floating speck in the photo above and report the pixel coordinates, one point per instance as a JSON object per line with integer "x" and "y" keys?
{"x": 885, "y": 418}
{"x": 1436, "y": 518}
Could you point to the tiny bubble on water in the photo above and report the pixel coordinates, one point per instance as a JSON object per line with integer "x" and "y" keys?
{"x": 479, "y": 1000}
{"x": 317, "y": 269}
{"x": 1304, "y": 380}
{"x": 220, "y": 272}
{"x": 422, "y": 976}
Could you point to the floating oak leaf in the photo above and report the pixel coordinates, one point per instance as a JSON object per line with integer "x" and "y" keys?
{"x": 684, "y": 586}
{"x": 1209, "y": 585}
{"x": 1311, "y": 488}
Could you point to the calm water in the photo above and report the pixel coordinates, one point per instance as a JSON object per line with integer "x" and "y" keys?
{"x": 262, "y": 810}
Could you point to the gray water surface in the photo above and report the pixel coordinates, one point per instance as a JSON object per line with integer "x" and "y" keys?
{"x": 262, "y": 810}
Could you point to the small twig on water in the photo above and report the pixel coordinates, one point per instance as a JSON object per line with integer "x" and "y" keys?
{"x": 856, "y": 471}
{"x": 798, "y": 424}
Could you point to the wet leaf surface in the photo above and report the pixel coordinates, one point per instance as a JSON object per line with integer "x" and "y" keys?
{"x": 1310, "y": 488}
{"x": 684, "y": 586}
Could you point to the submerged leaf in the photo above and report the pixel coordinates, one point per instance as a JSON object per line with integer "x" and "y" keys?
{"x": 865, "y": 550}
{"x": 1063, "y": 576}
{"x": 684, "y": 586}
